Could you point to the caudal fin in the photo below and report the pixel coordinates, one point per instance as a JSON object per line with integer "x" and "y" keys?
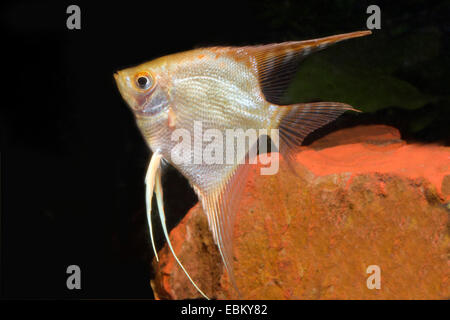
{"x": 301, "y": 119}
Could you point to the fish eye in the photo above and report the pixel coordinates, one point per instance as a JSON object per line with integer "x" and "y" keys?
{"x": 143, "y": 81}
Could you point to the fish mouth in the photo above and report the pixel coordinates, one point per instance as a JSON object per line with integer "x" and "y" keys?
{"x": 123, "y": 90}
{"x": 118, "y": 81}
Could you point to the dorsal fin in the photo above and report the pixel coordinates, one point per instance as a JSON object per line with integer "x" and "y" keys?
{"x": 277, "y": 63}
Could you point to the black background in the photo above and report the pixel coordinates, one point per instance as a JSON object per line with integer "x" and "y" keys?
{"x": 73, "y": 162}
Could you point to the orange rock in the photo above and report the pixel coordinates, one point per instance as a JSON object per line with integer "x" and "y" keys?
{"x": 362, "y": 197}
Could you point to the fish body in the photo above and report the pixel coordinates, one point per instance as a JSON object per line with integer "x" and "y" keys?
{"x": 221, "y": 88}
{"x": 213, "y": 86}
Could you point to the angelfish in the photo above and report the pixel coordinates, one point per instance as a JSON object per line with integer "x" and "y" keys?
{"x": 223, "y": 88}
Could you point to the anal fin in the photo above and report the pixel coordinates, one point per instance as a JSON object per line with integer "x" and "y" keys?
{"x": 220, "y": 206}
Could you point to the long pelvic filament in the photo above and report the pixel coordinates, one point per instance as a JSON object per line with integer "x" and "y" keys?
{"x": 162, "y": 216}
{"x": 153, "y": 182}
{"x": 153, "y": 166}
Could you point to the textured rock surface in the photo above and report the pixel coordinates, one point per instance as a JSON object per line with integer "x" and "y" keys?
{"x": 362, "y": 197}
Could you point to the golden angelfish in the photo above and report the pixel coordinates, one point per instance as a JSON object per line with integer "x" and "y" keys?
{"x": 223, "y": 88}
